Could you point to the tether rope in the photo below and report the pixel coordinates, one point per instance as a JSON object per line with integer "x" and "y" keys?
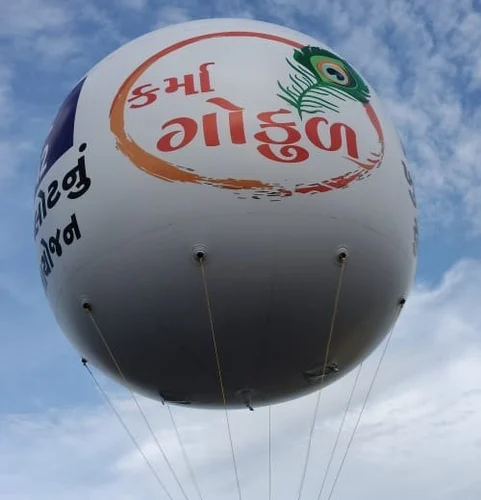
{"x": 386, "y": 345}
{"x": 126, "y": 429}
{"x": 270, "y": 452}
{"x": 219, "y": 373}
{"x": 326, "y": 358}
{"x": 184, "y": 453}
{"x": 88, "y": 309}
{"x": 339, "y": 432}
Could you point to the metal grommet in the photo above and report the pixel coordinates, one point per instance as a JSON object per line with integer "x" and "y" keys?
{"x": 199, "y": 252}
{"x": 86, "y": 305}
{"x": 342, "y": 255}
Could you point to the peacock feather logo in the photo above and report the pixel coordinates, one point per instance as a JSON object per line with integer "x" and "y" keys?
{"x": 320, "y": 79}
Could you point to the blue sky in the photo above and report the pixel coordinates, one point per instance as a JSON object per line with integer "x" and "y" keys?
{"x": 419, "y": 437}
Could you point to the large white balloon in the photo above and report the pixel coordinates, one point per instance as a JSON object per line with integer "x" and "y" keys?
{"x": 257, "y": 147}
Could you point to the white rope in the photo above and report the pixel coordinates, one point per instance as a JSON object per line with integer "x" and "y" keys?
{"x": 270, "y": 452}
{"x": 386, "y": 345}
{"x": 326, "y": 358}
{"x": 126, "y": 429}
{"x": 219, "y": 372}
{"x": 184, "y": 452}
{"x": 88, "y": 308}
{"x": 339, "y": 432}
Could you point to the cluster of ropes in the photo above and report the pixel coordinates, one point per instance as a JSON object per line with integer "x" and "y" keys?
{"x": 322, "y": 488}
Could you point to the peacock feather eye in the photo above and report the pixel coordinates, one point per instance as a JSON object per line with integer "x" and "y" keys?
{"x": 331, "y": 71}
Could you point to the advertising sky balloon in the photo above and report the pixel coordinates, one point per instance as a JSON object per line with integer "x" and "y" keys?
{"x": 224, "y": 215}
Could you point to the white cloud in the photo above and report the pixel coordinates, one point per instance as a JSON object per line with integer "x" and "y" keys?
{"x": 8, "y": 161}
{"x": 6, "y": 93}
{"x": 53, "y": 49}
{"x": 56, "y": 30}
{"x": 134, "y": 4}
{"x": 101, "y": 18}
{"x": 10, "y": 153}
{"x": 173, "y": 15}
{"x": 417, "y": 438}
{"x": 28, "y": 17}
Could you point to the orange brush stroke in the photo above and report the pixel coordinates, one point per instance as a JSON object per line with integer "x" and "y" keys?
{"x": 157, "y": 166}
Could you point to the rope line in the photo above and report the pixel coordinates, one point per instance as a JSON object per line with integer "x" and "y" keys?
{"x": 184, "y": 453}
{"x": 219, "y": 372}
{"x": 339, "y": 432}
{"x": 126, "y": 429}
{"x": 270, "y": 452}
{"x": 88, "y": 308}
{"x": 386, "y": 345}
{"x": 326, "y": 358}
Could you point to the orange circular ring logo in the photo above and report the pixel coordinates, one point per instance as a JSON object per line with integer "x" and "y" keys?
{"x": 168, "y": 171}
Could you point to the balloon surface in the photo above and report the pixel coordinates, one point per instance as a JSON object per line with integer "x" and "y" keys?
{"x": 224, "y": 201}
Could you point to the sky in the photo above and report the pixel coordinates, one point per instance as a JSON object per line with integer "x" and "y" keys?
{"x": 419, "y": 437}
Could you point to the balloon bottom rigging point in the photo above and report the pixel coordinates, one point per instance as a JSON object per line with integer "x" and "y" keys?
{"x": 240, "y": 332}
